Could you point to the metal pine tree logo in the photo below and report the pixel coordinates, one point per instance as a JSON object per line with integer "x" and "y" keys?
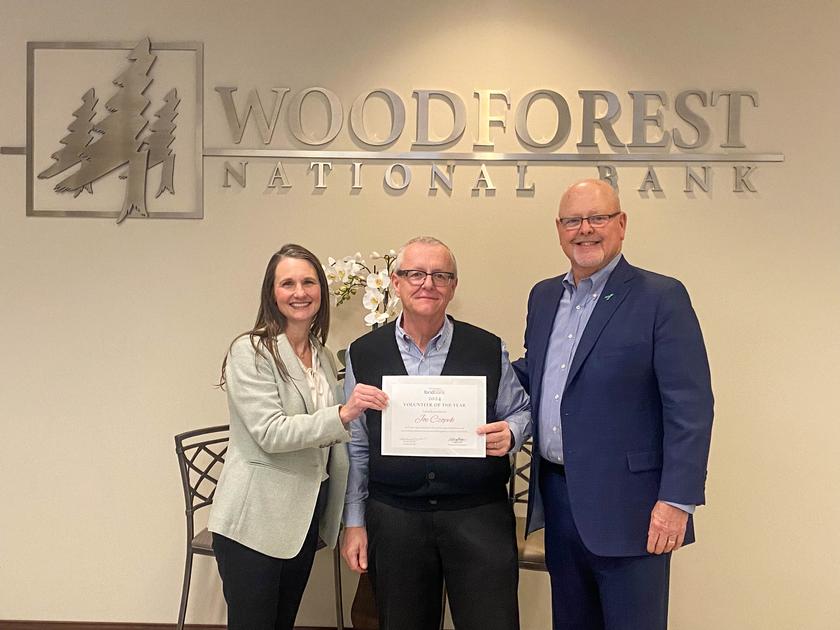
{"x": 117, "y": 140}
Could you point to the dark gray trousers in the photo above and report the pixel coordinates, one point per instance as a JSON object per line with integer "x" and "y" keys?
{"x": 411, "y": 554}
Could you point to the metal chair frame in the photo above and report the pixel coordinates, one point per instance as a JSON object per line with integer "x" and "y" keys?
{"x": 520, "y": 473}
{"x": 201, "y": 453}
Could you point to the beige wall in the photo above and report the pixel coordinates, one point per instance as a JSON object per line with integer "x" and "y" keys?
{"x": 112, "y": 335}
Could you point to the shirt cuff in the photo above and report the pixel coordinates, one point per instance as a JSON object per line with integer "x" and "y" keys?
{"x": 354, "y": 515}
{"x": 685, "y": 508}
{"x": 516, "y": 433}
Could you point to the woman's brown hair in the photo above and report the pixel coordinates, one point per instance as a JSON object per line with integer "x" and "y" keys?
{"x": 271, "y": 322}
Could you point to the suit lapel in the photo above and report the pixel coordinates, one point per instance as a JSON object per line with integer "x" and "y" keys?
{"x": 617, "y": 287}
{"x": 290, "y": 360}
{"x": 543, "y": 325}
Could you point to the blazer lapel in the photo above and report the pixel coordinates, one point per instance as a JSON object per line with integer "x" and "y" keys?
{"x": 543, "y": 325}
{"x": 616, "y": 289}
{"x": 290, "y": 360}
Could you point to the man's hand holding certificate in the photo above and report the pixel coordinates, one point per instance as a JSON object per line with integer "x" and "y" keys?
{"x": 434, "y": 416}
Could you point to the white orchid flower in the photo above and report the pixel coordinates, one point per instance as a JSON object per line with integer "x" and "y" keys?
{"x": 353, "y": 264}
{"x": 351, "y": 273}
{"x": 374, "y": 318}
{"x": 332, "y": 276}
{"x": 336, "y": 274}
{"x": 393, "y": 306}
{"x": 379, "y": 281}
{"x": 346, "y": 269}
{"x": 373, "y": 299}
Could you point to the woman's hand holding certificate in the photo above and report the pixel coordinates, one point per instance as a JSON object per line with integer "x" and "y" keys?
{"x": 363, "y": 397}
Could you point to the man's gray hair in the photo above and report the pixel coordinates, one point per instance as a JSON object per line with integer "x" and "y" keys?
{"x": 425, "y": 240}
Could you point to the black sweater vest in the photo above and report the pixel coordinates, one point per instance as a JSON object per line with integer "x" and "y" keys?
{"x": 432, "y": 483}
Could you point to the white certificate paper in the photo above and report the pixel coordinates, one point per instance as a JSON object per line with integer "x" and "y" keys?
{"x": 434, "y": 416}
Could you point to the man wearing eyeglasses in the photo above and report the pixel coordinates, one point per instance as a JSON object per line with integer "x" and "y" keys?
{"x": 414, "y": 522}
{"x": 616, "y": 366}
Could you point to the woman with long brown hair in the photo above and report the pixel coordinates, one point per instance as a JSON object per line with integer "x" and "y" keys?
{"x": 285, "y": 472}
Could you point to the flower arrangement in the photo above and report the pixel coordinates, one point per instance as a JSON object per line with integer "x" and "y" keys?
{"x": 346, "y": 276}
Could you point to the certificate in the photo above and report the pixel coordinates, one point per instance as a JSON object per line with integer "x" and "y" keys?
{"x": 434, "y": 416}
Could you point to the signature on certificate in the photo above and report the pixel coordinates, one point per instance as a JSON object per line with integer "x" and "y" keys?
{"x": 434, "y": 419}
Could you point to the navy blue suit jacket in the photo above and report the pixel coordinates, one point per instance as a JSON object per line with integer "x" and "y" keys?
{"x": 636, "y": 411}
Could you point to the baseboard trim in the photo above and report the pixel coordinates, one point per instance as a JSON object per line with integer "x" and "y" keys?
{"x": 94, "y": 625}
{"x": 104, "y": 625}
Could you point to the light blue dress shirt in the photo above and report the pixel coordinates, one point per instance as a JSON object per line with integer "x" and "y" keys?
{"x": 512, "y": 404}
{"x": 576, "y": 307}
{"x": 573, "y": 313}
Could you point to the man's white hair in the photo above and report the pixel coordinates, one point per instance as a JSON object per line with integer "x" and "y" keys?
{"x": 425, "y": 240}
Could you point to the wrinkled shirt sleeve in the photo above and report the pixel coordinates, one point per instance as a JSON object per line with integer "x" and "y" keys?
{"x": 513, "y": 404}
{"x": 358, "y": 449}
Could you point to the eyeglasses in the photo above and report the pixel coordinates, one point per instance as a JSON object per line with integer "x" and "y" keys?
{"x": 596, "y": 220}
{"x": 416, "y": 277}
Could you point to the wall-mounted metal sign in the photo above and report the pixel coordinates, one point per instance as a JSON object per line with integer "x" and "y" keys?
{"x": 131, "y": 141}
{"x": 133, "y": 133}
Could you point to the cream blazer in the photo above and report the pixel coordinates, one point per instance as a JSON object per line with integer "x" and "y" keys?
{"x": 278, "y": 448}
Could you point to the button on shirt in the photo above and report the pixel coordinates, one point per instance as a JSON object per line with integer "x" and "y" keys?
{"x": 512, "y": 404}
{"x": 573, "y": 313}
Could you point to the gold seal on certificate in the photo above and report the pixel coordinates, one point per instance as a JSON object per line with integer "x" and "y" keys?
{"x": 434, "y": 416}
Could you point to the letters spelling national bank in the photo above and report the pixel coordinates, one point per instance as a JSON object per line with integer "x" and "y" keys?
{"x": 652, "y": 141}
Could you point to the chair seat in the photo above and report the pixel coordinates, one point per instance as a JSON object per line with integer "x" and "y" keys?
{"x": 531, "y": 550}
{"x": 201, "y": 455}
{"x": 203, "y": 543}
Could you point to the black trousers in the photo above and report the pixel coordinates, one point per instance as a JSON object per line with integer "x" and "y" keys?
{"x": 590, "y": 592}
{"x": 262, "y": 592}
{"x": 412, "y": 553}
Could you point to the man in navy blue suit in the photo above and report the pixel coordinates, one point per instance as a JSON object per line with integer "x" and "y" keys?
{"x": 620, "y": 388}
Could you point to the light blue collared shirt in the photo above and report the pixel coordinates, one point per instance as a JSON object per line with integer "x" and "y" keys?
{"x": 573, "y": 314}
{"x": 512, "y": 404}
{"x": 576, "y": 307}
